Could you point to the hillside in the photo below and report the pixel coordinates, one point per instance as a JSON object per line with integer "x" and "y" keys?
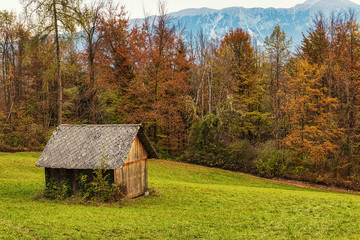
{"x": 260, "y": 22}
{"x": 190, "y": 202}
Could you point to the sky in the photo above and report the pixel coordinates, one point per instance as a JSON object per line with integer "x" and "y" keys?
{"x": 135, "y": 7}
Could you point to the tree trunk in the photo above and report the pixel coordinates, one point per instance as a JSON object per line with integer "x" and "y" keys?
{"x": 92, "y": 80}
{"x": 58, "y": 73}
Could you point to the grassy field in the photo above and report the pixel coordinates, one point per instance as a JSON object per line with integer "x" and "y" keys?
{"x": 191, "y": 202}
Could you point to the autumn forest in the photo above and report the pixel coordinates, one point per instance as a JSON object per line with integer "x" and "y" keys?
{"x": 271, "y": 109}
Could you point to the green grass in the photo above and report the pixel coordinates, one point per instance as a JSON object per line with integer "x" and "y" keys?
{"x": 190, "y": 202}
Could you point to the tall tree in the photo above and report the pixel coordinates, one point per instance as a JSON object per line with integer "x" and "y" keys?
{"x": 156, "y": 92}
{"x": 334, "y": 44}
{"x": 277, "y": 48}
{"x": 314, "y": 133}
{"x": 89, "y": 16}
{"x": 53, "y": 16}
{"x": 8, "y": 54}
{"x": 243, "y": 85}
{"x": 315, "y": 45}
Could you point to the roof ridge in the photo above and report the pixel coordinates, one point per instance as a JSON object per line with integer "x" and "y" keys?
{"x": 99, "y": 125}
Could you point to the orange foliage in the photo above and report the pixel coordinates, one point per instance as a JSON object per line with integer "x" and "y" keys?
{"x": 314, "y": 131}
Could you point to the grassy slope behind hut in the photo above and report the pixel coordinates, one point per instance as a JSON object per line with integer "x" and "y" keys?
{"x": 191, "y": 202}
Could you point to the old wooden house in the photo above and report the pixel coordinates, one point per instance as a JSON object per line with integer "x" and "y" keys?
{"x": 76, "y": 149}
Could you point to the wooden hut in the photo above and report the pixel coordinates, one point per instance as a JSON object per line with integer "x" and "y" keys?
{"x": 76, "y": 149}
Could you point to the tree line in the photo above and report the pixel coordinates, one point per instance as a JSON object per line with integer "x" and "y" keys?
{"x": 230, "y": 102}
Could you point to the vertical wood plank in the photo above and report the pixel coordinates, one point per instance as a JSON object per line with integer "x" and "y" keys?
{"x": 133, "y": 175}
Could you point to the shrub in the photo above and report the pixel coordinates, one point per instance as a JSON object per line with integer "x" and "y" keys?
{"x": 54, "y": 191}
{"x": 271, "y": 162}
{"x": 86, "y": 187}
{"x": 103, "y": 190}
{"x": 240, "y": 156}
{"x": 100, "y": 188}
{"x": 205, "y": 146}
{"x": 22, "y": 134}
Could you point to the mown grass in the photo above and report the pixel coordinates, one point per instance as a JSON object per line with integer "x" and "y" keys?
{"x": 190, "y": 202}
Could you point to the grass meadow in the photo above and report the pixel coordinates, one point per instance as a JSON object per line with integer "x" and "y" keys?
{"x": 190, "y": 202}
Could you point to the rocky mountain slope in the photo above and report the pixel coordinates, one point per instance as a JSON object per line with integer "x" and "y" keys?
{"x": 258, "y": 21}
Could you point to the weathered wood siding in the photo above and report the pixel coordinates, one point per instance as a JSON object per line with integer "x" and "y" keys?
{"x": 132, "y": 177}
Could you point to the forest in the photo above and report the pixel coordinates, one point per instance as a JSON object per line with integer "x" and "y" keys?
{"x": 271, "y": 109}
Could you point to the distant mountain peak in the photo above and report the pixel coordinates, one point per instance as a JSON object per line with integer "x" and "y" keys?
{"x": 192, "y": 12}
{"x": 326, "y": 4}
{"x": 338, "y": 2}
{"x": 311, "y": 2}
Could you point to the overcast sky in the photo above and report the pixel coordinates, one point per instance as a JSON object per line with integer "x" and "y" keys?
{"x": 135, "y": 7}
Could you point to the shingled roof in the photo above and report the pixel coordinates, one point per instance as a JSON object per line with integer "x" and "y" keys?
{"x": 83, "y": 146}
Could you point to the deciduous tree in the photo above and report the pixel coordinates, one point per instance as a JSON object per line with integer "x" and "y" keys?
{"x": 277, "y": 48}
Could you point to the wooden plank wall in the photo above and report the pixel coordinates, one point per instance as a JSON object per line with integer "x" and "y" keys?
{"x": 132, "y": 177}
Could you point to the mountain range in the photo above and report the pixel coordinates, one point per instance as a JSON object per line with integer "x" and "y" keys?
{"x": 259, "y": 22}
